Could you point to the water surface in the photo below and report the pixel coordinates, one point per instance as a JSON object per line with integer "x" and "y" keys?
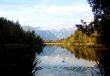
{"x": 57, "y": 61}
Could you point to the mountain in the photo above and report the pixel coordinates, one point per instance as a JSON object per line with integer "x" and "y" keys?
{"x": 50, "y": 34}
{"x": 46, "y": 34}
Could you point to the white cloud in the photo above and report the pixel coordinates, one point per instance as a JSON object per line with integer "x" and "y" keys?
{"x": 68, "y": 9}
{"x": 44, "y": 2}
{"x": 49, "y": 16}
{"x": 68, "y": 61}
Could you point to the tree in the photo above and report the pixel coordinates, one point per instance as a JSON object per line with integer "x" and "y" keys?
{"x": 101, "y": 10}
{"x": 18, "y": 26}
{"x": 12, "y": 33}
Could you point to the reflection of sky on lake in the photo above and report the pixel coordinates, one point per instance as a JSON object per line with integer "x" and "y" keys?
{"x": 57, "y": 61}
{"x": 60, "y": 57}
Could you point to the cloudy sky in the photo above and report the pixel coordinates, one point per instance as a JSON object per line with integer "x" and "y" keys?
{"x": 46, "y": 13}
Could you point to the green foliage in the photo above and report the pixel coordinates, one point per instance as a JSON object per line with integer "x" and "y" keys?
{"x": 100, "y": 7}
{"x": 12, "y": 33}
{"x": 79, "y": 37}
{"x": 18, "y": 49}
{"x": 101, "y": 10}
{"x": 87, "y": 29}
{"x": 85, "y": 33}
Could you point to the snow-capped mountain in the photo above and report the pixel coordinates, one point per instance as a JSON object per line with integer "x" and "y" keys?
{"x": 50, "y": 34}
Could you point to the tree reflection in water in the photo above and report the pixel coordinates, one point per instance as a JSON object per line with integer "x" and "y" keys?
{"x": 100, "y": 55}
{"x": 17, "y": 61}
{"x": 22, "y": 61}
{"x": 105, "y": 63}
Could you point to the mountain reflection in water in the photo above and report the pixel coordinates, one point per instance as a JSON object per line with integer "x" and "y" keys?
{"x": 69, "y": 61}
{"x": 54, "y": 61}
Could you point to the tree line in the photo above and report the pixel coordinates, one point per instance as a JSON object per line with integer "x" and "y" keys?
{"x": 85, "y": 34}
{"x": 98, "y": 30}
{"x": 12, "y": 33}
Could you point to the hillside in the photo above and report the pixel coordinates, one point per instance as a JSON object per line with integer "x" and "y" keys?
{"x": 80, "y": 38}
{"x": 12, "y": 34}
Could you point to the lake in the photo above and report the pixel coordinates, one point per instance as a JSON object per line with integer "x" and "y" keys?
{"x": 54, "y": 60}
{"x": 72, "y": 61}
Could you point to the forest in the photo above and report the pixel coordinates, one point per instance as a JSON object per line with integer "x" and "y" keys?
{"x": 17, "y": 49}
{"x": 12, "y": 34}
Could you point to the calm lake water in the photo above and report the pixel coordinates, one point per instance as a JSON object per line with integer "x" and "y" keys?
{"x": 58, "y": 61}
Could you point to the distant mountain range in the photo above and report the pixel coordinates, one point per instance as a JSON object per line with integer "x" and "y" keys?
{"x": 50, "y": 34}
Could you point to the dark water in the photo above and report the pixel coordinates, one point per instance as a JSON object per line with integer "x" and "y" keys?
{"x": 57, "y": 61}
{"x": 16, "y": 61}
{"x": 54, "y": 61}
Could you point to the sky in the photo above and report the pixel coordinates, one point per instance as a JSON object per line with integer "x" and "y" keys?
{"x": 46, "y": 13}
